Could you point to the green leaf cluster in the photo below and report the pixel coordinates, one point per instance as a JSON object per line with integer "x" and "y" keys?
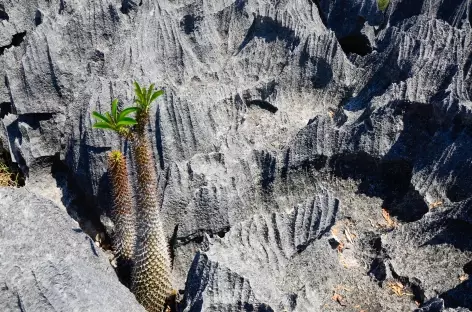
{"x": 119, "y": 121}
{"x": 145, "y": 97}
{"x": 383, "y": 4}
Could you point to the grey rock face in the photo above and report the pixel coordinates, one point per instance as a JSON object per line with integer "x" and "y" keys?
{"x": 285, "y": 124}
{"x": 48, "y": 264}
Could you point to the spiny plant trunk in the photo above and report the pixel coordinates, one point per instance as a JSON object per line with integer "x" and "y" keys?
{"x": 123, "y": 212}
{"x": 151, "y": 280}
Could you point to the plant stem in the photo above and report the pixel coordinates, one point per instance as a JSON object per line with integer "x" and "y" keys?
{"x": 123, "y": 212}
{"x": 151, "y": 282}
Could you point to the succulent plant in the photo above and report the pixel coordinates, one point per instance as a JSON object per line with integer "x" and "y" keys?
{"x": 144, "y": 99}
{"x": 151, "y": 272}
{"x": 151, "y": 279}
{"x": 117, "y": 121}
{"x": 123, "y": 211}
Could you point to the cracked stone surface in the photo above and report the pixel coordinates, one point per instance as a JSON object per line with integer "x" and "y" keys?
{"x": 48, "y": 264}
{"x": 285, "y": 129}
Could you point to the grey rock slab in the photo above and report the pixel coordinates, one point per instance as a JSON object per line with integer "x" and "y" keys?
{"x": 48, "y": 264}
{"x": 266, "y": 103}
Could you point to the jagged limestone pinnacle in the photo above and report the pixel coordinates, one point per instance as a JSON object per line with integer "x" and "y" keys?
{"x": 123, "y": 212}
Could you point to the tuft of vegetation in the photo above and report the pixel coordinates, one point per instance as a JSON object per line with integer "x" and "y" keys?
{"x": 117, "y": 121}
{"x": 383, "y": 4}
{"x": 144, "y": 98}
{"x": 151, "y": 266}
{"x": 8, "y": 177}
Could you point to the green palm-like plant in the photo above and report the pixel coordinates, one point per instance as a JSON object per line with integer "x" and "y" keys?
{"x": 151, "y": 279}
{"x": 123, "y": 214}
{"x": 383, "y": 4}
{"x": 144, "y": 99}
{"x": 151, "y": 273}
{"x": 117, "y": 121}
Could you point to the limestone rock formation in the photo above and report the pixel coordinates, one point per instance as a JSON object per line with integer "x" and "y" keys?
{"x": 327, "y": 108}
{"x": 48, "y": 264}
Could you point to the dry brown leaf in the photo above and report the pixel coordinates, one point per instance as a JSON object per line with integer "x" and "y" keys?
{"x": 390, "y": 222}
{"x": 339, "y": 299}
{"x": 348, "y": 235}
{"x": 396, "y": 287}
{"x": 435, "y": 204}
{"x": 331, "y": 113}
{"x": 340, "y": 247}
{"x": 7, "y": 177}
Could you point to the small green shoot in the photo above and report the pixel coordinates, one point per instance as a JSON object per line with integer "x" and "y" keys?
{"x": 145, "y": 97}
{"x": 117, "y": 121}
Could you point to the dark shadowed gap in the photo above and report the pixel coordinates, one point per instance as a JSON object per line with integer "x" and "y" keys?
{"x": 406, "y": 9}
{"x": 264, "y": 105}
{"x": 16, "y": 40}
{"x": 3, "y": 14}
{"x": 413, "y": 283}
{"x": 38, "y": 18}
{"x": 357, "y": 44}
{"x": 453, "y": 12}
{"x": 270, "y": 30}
{"x": 62, "y": 6}
{"x": 459, "y": 296}
{"x": 468, "y": 268}
{"x": 5, "y": 109}
{"x": 240, "y": 4}
{"x": 320, "y": 11}
{"x": 454, "y": 232}
{"x": 189, "y": 23}
{"x": 127, "y": 6}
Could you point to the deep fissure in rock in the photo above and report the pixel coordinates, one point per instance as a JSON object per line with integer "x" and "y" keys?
{"x": 38, "y": 18}
{"x": 356, "y": 43}
{"x": 62, "y": 6}
{"x": 3, "y": 14}
{"x": 80, "y": 206}
{"x": 16, "y": 40}
{"x": 264, "y": 105}
{"x": 128, "y": 5}
{"x": 189, "y": 23}
{"x": 412, "y": 283}
{"x": 5, "y": 109}
{"x": 16, "y": 174}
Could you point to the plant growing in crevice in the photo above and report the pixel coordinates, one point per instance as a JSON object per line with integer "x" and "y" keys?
{"x": 123, "y": 211}
{"x": 10, "y": 175}
{"x": 383, "y": 4}
{"x": 151, "y": 282}
{"x": 151, "y": 272}
{"x": 116, "y": 121}
{"x": 7, "y": 177}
